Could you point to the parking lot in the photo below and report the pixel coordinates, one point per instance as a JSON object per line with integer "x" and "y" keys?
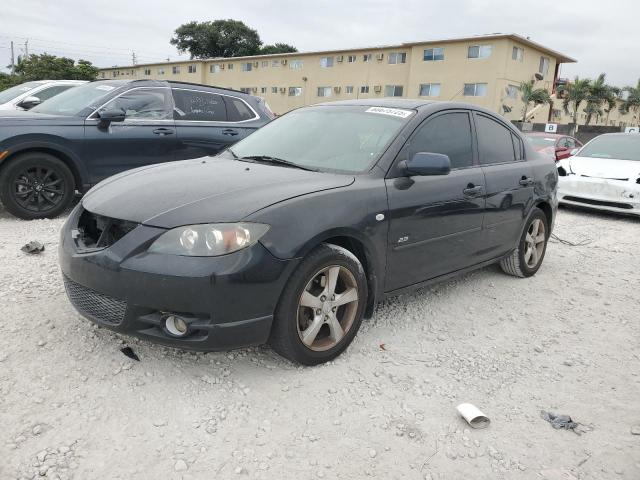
{"x": 73, "y": 406}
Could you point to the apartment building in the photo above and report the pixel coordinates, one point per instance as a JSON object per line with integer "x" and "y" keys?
{"x": 484, "y": 70}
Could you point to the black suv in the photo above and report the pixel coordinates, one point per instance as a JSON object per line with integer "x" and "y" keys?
{"x": 91, "y": 132}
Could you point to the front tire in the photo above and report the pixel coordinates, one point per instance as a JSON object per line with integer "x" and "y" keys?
{"x": 527, "y": 258}
{"x": 321, "y": 307}
{"x": 36, "y": 185}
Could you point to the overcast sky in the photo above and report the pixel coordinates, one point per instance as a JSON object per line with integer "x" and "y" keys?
{"x": 602, "y": 36}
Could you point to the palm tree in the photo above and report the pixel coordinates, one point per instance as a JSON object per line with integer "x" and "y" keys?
{"x": 573, "y": 94}
{"x": 599, "y": 93}
{"x": 530, "y": 94}
{"x": 632, "y": 101}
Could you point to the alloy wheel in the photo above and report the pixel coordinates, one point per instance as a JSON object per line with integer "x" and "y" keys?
{"x": 327, "y": 308}
{"x": 38, "y": 189}
{"x": 534, "y": 243}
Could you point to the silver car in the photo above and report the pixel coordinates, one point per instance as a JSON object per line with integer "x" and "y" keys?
{"x": 29, "y": 94}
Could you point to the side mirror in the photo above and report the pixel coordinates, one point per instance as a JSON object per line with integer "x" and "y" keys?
{"x": 111, "y": 115}
{"x": 29, "y": 102}
{"x": 426, "y": 163}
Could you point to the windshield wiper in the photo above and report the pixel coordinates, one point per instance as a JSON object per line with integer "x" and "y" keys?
{"x": 277, "y": 161}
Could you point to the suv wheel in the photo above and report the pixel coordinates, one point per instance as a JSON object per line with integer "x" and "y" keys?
{"x": 527, "y": 258}
{"x": 36, "y": 185}
{"x": 321, "y": 307}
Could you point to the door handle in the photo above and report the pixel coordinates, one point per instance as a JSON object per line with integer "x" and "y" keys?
{"x": 526, "y": 181}
{"x": 473, "y": 190}
{"x": 230, "y": 131}
{"x": 163, "y": 131}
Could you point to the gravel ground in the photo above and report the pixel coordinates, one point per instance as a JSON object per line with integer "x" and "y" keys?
{"x": 73, "y": 406}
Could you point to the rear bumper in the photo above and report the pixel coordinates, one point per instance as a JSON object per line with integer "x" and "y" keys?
{"x": 600, "y": 194}
{"x": 227, "y": 301}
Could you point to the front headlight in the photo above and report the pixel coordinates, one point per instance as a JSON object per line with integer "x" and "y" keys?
{"x": 208, "y": 240}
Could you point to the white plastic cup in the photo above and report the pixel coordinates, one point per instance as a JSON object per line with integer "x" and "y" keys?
{"x": 474, "y": 417}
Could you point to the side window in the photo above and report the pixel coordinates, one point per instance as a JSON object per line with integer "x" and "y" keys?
{"x": 494, "y": 141}
{"x": 199, "y": 106}
{"x": 517, "y": 147}
{"x": 47, "y": 93}
{"x": 238, "y": 110}
{"x": 570, "y": 142}
{"x": 449, "y": 134}
{"x": 143, "y": 104}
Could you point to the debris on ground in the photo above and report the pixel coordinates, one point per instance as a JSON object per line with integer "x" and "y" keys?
{"x": 473, "y": 415}
{"x": 561, "y": 422}
{"x": 34, "y": 247}
{"x": 635, "y": 430}
{"x": 128, "y": 351}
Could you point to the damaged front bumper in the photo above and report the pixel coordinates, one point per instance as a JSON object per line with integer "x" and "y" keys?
{"x": 621, "y": 196}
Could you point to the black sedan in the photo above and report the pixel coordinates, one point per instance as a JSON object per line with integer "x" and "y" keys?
{"x": 292, "y": 235}
{"x": 83, "y": 135}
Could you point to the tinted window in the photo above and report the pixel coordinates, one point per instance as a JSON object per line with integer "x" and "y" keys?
{"x": 449, "y": 134}
{"x": 494, "y": 141}
{"x": 518, "y": 147}
{"x": 142, "y": 104}
{"x": 47, "y": 93}
{"x": 237, "y": 110}
{"x": 199, "y": 106}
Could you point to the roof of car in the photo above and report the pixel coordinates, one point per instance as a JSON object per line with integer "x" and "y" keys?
{"x": 542, "y": 134}
{"x": 619, "y": 134}
{"x": 384, "y": 102}
{"x": 171, "y": 82}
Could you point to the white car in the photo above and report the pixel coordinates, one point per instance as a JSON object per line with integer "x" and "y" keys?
{"x": 603, "y": 175}
{"x": 29, "y": 94}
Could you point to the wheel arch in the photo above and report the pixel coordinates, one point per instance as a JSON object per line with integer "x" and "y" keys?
{"x": 547, "y": 210}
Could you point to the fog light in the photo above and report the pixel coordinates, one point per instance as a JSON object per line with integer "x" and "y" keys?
{"x": 176, "y": 326}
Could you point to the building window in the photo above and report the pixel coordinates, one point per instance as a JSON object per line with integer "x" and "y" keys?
{"x": 245, "y": 89}
{"x": 324, "y": 91}
{"x": 265, "y": 63}
{"x": 512, "y": 91}
{"x": 433, "y": 54}
{"x": 246, "y": 66}
{"x": 275, "y": 63}
{"x": 161, "y": 71}
{"x": 214, "y": 68}
{"x": 558, "y": 113}
{"x": 274, "y": 89}
{"x": 296, "y": 64}
{"x": 348, "y": 89}
{"x": 175, "y": 69}
{"x": 475, "y": 89}
{"x": 147, "y": 71}
{"x": 366, "y": 57}
{"x": 430, "y": 90}
{"x": 364, "y": 89}
{"x": 543, "y": 68}
{"x": 517, "y": 54}
{"x": 351, "y": 59}
{"x": 479, "y": 51}
{"x": 295, "y": 91}
{"x": 263, "y": 89}
{"x": 113, "y": 74}
{"x": 101, "y": 74}
{"x": 230, "y": 66}
{"x": 192, "y": 68}
{"x": 397, "y": 57}
{"x": 326, "y": 62}
{"x": 393, "y": 91}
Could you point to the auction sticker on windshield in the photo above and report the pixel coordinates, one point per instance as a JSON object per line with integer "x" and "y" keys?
{"x": 106, "y": 88}
{"x": 396, "y": 112}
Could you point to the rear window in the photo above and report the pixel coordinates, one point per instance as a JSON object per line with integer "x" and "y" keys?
{"x": 616, "y": 147}
{"x": 237, "y": 110}
{"x": 199, "y": 106}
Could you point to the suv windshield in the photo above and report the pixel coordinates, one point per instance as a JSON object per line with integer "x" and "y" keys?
{"x": 618, "y": 147}
{"x": 78, "y": 101}
{"x": 13, "y": 92}
{"x": 343, "y": 138}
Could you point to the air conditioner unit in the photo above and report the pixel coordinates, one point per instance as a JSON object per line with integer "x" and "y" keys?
{"x": 284, "y": 62}
{"x": 283, "y": 90}
{"x": 339, "y": 58}
{"x": 377, "y": 88}
{"x": 379, "y": 56}
{"x": 254, "y": 89}
{"x": 336, "y": 89}
{"x": 255, "y": 64}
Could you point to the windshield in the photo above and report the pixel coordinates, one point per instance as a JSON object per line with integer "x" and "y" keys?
{"x": 337, "y": 138}
{"x": 13, "y": 92}
{"x": 78, "y": 101}
{"x": 615, "y": 147}
{"x": 541, "y": 142}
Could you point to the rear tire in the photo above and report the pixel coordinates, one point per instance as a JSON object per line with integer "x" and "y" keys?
{"x": 321, "y": 307}
{"x": 527, "y": 258}
{"x": 36, "y": 185}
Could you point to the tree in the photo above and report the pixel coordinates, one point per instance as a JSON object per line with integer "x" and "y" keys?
{"x": 278, "y": 48}
{"x": 632, "y": 100}
{"x": 220, "y": 38}
{"x": 573, "y": 94}
{"x": 599, "y": 94}
{"x": 530, "y": 94}
{"x": 50, "y": 67}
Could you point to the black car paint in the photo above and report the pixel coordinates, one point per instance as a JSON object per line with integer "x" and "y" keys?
{"x": 95, "y": 152}
{"x": 447, "y": 230}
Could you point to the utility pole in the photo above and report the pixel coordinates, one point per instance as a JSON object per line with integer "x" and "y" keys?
{"x": 13, "y": 65}
{"x": 26, "y": 49}
{"x": 133, "y": 58}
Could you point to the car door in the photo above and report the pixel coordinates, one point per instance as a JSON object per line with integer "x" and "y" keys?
{"x": 206, "y": 122}
{"x": 146, "y": 136}
{"x": 435, "y": 221}
{"x": 509, "y": 184}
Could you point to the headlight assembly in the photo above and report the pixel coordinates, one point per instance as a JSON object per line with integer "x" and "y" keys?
{"x": 208, "y": 240}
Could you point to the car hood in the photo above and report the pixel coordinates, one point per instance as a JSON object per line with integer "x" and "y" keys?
{"x": 203, "y": 190}
{"x": 24, "y": 118}
{"x": 605, "y": 168}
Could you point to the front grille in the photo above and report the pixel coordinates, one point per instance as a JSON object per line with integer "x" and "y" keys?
{"x": 95, "y": 232}
{"x": 96, "y": 306}
{"x": 601, "y": 203}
